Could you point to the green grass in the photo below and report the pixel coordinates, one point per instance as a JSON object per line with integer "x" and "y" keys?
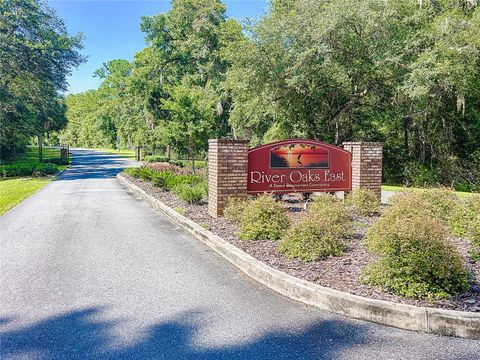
{"x": 16, "y": 189}
{"x": 126, "y": 153}
{"x": 13, "y": 191}
{"x": 31, "y": 156}
{"x": 408, "y": 189}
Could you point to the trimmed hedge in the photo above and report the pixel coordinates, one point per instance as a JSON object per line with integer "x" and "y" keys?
{"x": 263, "y": 219}
{"x": 156, "y": 158}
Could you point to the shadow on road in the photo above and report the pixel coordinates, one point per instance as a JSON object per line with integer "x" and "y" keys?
{"x": 94, "y": 165}
{"x": 76, "y": 335}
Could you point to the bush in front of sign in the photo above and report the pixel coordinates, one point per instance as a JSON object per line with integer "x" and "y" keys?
{"x": 191, "y": 193}
{"x": 234, "y": 209}
{"x": 327, "y": 206}
{"x": 415, "y": 258}
{"x": 313, "y": 238}
{"x": 263, "y": 219}
{"x": 363, "y": 202}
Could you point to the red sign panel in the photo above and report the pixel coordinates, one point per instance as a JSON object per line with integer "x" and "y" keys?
{"x": 298, "y": 166}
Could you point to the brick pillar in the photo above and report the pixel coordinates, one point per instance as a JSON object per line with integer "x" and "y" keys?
{"x": 227, "y": 173}
{"x": 367, "y": 158}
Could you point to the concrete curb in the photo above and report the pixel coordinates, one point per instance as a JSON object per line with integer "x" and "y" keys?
{"x": 430, "y": 320}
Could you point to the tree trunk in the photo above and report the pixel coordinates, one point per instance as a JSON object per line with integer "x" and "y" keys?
{"x": 168, "y": 153}
{"x": 193, "y": 162}
{"x": 40, "y": 147}
{"x": 406, "y": 122}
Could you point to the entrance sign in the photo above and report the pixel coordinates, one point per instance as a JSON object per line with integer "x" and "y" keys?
{"x": 298, "y": 165}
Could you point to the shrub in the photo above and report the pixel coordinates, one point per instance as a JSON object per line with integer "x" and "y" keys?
{"x": 415, "y": 259}
{"x": 313, "y": 238}
{"x": 328, "y": 206}
{"x": 322, "y": 202}
{"x": 28, "y": 169}
{"x": 418, "y": 175}
{"x": 263, "y": 219}
{"x": 159, "y": 180}
{"x": 438, "y": 203}
{"x": 173, "y": 180}
{"x": 234, "y": 209}
{"x": 465, "y": 221}
{"x": 145, "y": 173}
{"x": 156, "y": 158}
{"x": 192, "y": 194}
{"x": 363, "y": 201}
{"x": 133, "y": 172}
{"x": 59, "y": 161}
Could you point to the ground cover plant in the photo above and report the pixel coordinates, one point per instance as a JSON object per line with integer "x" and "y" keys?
{"x": 188, "y": 187}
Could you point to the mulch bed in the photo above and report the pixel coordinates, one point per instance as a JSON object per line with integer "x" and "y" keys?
{"x": 341, "y": 273}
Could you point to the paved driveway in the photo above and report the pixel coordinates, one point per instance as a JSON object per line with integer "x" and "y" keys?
{"x": 89, "y": 271}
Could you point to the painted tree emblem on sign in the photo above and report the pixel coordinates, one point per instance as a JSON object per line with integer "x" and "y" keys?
{"x": 299, "y": 155}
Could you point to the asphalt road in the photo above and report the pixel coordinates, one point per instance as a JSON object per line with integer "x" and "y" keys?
{"x": 89, "y": 271}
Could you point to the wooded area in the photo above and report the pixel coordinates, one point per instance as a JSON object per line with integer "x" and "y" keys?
{"x": 403, "y": 72}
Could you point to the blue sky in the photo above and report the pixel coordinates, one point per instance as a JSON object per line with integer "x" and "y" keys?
{"x": 112, "y": 29}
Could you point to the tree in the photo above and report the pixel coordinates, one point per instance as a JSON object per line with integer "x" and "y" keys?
{"x": 392, "y": 71}
{"x": 37, "y": 54}
{"x": 192, "y": 121}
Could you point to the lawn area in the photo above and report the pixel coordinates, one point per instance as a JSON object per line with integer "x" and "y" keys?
{"x": 13, "y": 191}
{"x": 407, "y": 189}
{"x": 31, "y": 156}
{"x": 18, "y": 183}
{"x": 126, "y": 153}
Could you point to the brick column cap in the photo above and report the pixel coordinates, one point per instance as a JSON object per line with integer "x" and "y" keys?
{"x": 368, "y": 143}
{"x": 226, "y": 141}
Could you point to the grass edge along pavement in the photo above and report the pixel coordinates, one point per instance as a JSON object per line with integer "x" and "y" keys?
{"x": 124, "y": 153}
{"x": 14, "y": 190}
{"x": 409, "y": 317}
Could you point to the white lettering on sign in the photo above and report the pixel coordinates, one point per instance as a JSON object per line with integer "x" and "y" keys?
{"x": 260, "y": 177}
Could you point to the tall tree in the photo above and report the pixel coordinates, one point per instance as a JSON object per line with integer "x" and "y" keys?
{"x": 36, "y": 55}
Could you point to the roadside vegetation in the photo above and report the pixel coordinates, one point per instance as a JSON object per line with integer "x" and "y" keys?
{"x": 125, "y": 153}
{"x": 188, "y": 187}
{"x": 28, "y": 164}
{"x": 23, "y": 175}
{"x": 13, "y": 191}
{"x": 328, "y": 70}
{"x": 424, "y": 246}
